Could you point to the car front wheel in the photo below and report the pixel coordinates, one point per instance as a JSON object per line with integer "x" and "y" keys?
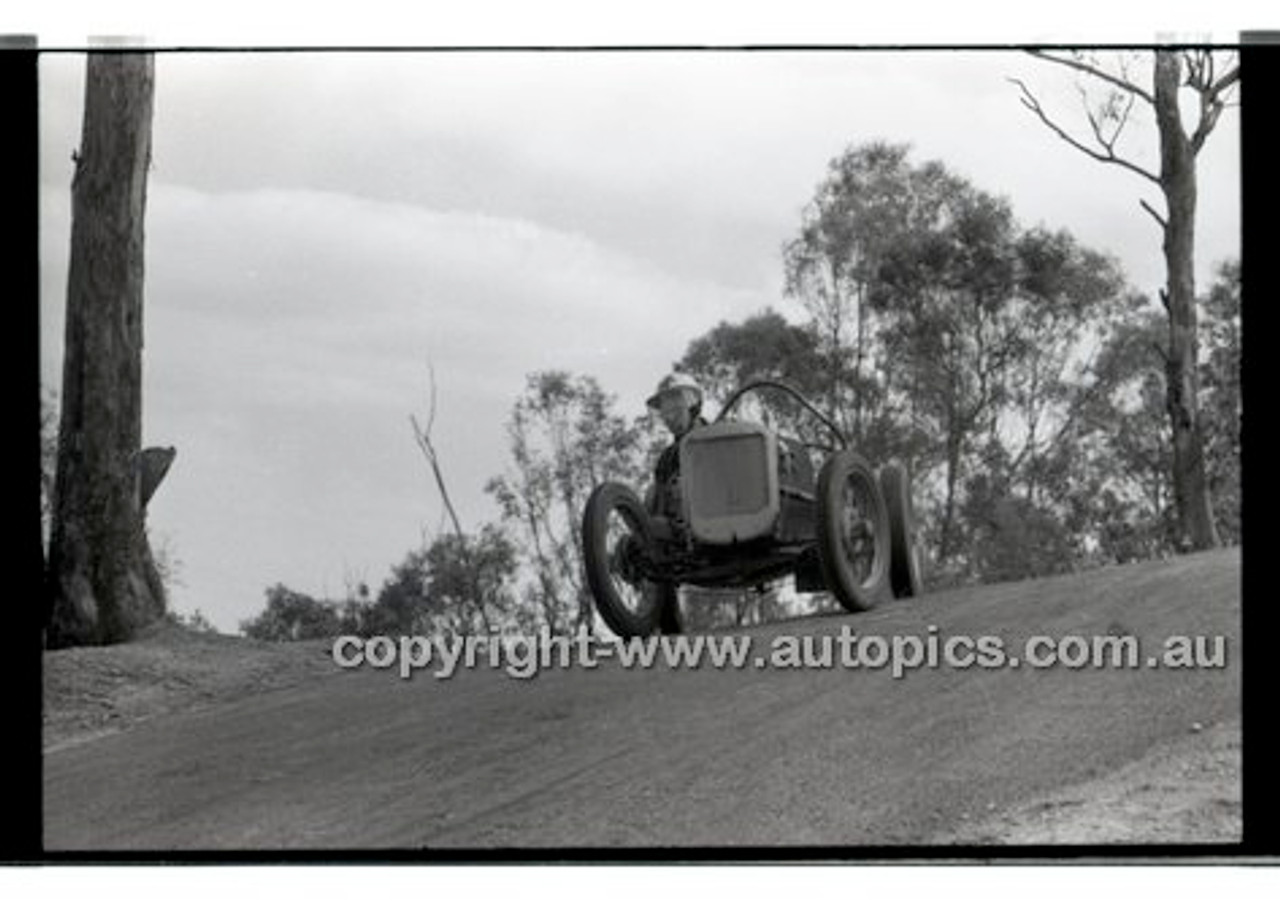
{"x": 853, "y": 532}
{"x": 615, "y": 538}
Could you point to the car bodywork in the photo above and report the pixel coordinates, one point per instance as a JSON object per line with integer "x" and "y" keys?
{"x": 743, "y": 512}
{"x": 749, "y": 506}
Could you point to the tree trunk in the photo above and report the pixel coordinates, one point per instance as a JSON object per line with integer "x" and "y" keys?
{"x": 102, "y": 576}
{"x": 859, "y": 432}
{"x": 954, "y": 442}
{"x": 1178, "y": 181}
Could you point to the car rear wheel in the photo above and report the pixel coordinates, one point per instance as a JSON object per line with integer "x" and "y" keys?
{"x": 615, "y": 535}
{"x": 853, "y": 532}
{"x": 904, "y": 553}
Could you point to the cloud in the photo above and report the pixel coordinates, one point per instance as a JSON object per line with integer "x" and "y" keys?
{"x": 697, "y": 162}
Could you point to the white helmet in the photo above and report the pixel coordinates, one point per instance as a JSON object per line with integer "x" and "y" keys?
{"x": 678, "y": 381}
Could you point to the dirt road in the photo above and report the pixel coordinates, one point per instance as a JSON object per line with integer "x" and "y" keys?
{"x": 667, "y": 758}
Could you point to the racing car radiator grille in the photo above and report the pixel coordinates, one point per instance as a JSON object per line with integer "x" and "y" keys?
{"x": 728, "y": 476}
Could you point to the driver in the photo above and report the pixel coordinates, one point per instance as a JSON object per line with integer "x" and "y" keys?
{"x": 678, "y": 400}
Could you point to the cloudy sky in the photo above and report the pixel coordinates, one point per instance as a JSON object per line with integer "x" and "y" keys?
{"x": 321, "y": 226}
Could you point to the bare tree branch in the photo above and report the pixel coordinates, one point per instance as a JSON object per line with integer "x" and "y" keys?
{"x": 423, "y": 438}
{"x": 1208, "y": 119}
{"x": 1093, "y": 120}
{"x": 1211, "y": 106}
{"x": 429, "y": 451}
{"x": 1154, "y": 215}
{"x": 1226, "y": 81}
{"x": 1200, "y": 77}
{"x": 1124, "y": 120}
{"x": 1030, "y": 102}
{"x": 1194, "y": 66}
{"x": 431, "y": 409}
{"x": 1122, "y": 83}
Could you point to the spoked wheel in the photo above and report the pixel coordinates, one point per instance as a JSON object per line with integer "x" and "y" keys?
{"x": 615, "y": 535}
{"x": 853, "y": 532}
{"x": 904, "y": 553}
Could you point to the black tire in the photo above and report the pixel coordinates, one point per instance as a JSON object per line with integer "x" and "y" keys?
{"x": 615, "y": 528}
{"x": 853, "y": 532}
{"x": 904, "y": 554}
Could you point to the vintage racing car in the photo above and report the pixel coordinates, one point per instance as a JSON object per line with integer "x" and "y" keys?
{"x": 749, "y": 507}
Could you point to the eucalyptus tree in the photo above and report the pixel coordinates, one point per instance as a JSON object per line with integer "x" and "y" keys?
{"x": 971, "y": 328}
{"x": 565, "y": 439}
{"x": 832, "y": 267}
{"x": 1208, "y": 81}
{"x": 103, "y": 580}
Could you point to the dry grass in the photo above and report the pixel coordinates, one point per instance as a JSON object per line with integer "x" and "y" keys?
{"x": 89, "y": 692}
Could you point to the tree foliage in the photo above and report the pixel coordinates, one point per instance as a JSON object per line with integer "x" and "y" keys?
{"x": 834, "y": 266}
{"x": 969, "y": 328}
{"x": 293, "y": 616}
{"x": 1221, "y": 404}
{"x": 763, "y": 346}
{"x": 195, "y": 622}
{"x": 565, "y": 440}
{"x": 468, "y": 588}
{"x": 455, "y": 586}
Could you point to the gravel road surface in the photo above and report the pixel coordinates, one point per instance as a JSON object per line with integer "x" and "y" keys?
{"x": 665, "y": 758}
